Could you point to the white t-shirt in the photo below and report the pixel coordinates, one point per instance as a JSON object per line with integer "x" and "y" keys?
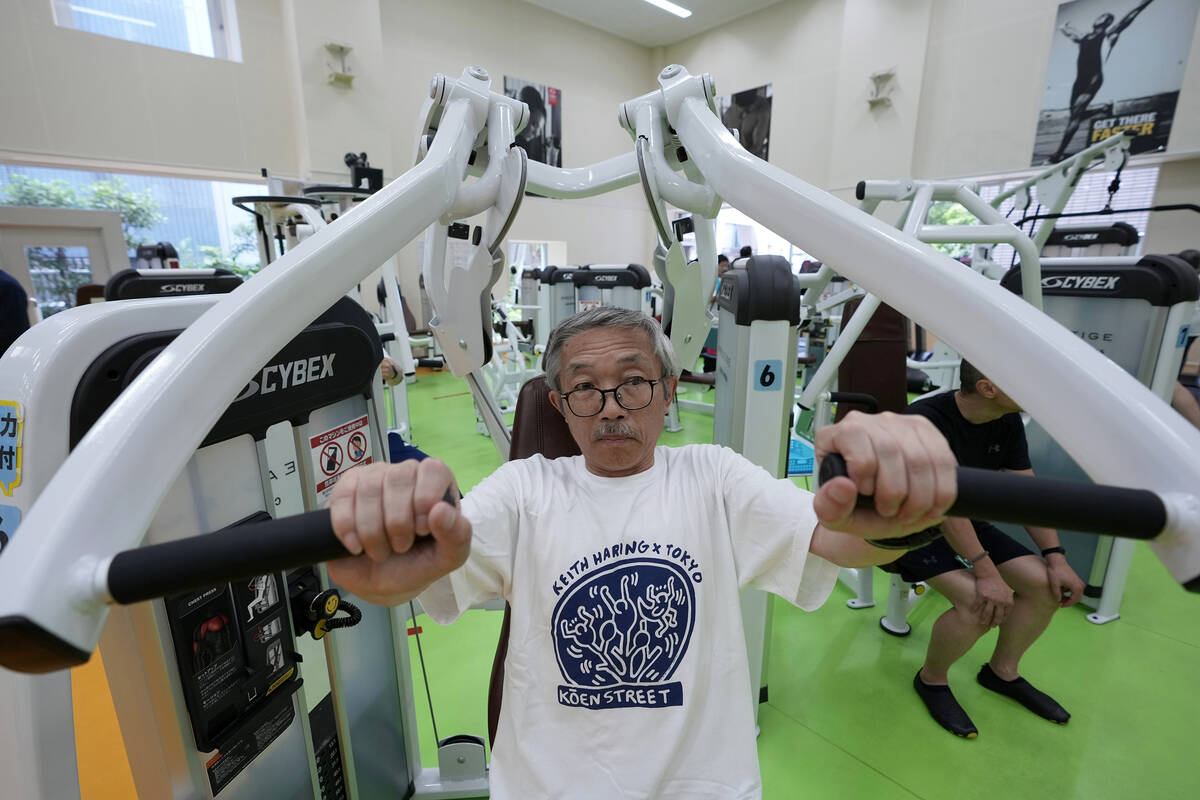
{"x": 627, "y": 674}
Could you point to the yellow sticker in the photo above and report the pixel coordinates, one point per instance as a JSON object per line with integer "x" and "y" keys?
{"x": 12, "y": 421}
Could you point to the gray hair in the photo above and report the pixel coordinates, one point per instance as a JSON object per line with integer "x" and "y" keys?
{"x": 606, "y": 317}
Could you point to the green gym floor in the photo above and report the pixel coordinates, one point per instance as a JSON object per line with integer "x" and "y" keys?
{"x": 843, "y": 720}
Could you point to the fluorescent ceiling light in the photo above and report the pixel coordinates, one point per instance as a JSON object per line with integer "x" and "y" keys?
{"x": 668, "y": 6}
{"x": 117, "y": 17}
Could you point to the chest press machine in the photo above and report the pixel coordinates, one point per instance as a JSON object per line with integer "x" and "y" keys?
{"x": 559, "y": 292}
{"x": 1136, "y": 311}
{"x": 75, "y": 557}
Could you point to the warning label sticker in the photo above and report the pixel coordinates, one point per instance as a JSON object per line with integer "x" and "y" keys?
{"x": 11, "y": 422}
{"x": 337, "y": 450}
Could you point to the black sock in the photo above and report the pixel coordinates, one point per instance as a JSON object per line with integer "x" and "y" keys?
{"x": 944, "y": 708}
{"x": 1023, "y": 692}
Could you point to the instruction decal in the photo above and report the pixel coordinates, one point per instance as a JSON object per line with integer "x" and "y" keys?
{"x": 11, "y": 423}
{"x": 337, "y": 450}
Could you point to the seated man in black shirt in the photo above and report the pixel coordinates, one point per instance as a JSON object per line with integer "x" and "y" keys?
{"x": 990, "y": 578}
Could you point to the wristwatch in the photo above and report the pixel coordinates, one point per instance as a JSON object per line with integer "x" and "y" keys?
{"x": 969, "y": 563}
{"x": 1058, "y": 549}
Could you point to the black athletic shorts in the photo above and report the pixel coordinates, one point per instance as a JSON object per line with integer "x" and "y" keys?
{"x": 938, "y": 557}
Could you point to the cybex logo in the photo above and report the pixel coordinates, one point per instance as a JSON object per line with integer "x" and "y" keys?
{"x": 1091, "y": 282}
{"x": 1080, "y": 237}
{"x": 606, "y": 278}
{"x": 171, "y": 288}
{"x": 288, "y": 375}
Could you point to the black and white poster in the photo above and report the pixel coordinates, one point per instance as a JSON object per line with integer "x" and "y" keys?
{"x": 542, "y": 136}
{"x": 1115, "y": 65}
{"x": 749, "y": 113}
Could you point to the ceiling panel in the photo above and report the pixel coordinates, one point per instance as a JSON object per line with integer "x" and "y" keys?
{"x": 647, "y": 25}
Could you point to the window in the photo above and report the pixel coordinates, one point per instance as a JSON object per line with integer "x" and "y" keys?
{"x": 196, "y": 216}
{"x": 1091, "y": 194}
{"x": 56, "y": 273}
{"x": 735, "y": 230}
{"x": 202, "y": 27}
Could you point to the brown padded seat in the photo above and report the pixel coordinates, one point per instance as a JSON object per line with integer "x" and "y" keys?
{"x": 537, "y": 428}
{"x": 876, "y": 364}
{"x": 702, "y": 378}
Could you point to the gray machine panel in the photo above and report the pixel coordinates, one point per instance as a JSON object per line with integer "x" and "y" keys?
{"x": 1122, "y": 310}
{"x": 365, "y": 663}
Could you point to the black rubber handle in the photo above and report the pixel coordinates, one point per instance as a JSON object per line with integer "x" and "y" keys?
{"x": 230, "y": 554}
{"x": 1043, "y": 502}
{"x": 867, "y": 401}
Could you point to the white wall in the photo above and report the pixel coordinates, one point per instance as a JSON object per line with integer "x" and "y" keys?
{"x": 969, "y": 84}
{"x": 796, "y": 46}
{"x": 878, "y": 35}
{"x": 819, "y": 56}
{"x": 985, "y": 69}
{"x": 75, "y": 95}
{"x": 338, "y": 119}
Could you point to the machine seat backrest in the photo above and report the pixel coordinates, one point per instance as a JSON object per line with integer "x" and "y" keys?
{"x": 537, "y": 428}
{"x": 875, "y": 364}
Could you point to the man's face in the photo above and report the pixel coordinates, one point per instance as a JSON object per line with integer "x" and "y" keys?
{"x": 615, "y": 442}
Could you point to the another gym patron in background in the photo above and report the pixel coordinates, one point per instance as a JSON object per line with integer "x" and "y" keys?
{"x": 989, "y": 578}
{"x": 14, "y": 310}
{"x": 626, "y": 673}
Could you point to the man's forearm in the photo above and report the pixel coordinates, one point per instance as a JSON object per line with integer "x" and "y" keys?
{"x": 961, "y": 536}
{"x": 1044, "y": 538}
{"x": 849, "y": 551}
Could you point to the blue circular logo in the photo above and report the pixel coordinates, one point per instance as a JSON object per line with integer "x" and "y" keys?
{"x": 629, "y": 623}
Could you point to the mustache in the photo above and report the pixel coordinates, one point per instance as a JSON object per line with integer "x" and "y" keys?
{"x": 613, "y": 428}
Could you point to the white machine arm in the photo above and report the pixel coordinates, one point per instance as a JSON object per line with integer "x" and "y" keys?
{"x": 459, "y": 293}
{"x": 995, "y": 229}
{"x": 575, "y": 182}
{"x": 1114, "y": 427}
{"x": 47, "y": 573}
{"x": 52, "y": 587}
{"x": 1055, "y": 184}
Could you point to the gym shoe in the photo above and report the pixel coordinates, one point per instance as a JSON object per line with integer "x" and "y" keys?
{"x": 1023, "y": 692}
{"x": 944, "y": 708}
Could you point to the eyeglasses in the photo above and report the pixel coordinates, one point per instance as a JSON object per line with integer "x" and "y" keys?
{"x": 632, "y": 395}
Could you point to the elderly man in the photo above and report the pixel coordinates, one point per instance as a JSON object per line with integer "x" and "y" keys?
{"x": 626, "y": 673}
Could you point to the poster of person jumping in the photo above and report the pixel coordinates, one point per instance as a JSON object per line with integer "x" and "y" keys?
{"x": 1115, "y": 65}
{"x": 542, "y": 136}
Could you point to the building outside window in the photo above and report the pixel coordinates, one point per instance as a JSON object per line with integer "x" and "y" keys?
{"x": 196, "y": 216}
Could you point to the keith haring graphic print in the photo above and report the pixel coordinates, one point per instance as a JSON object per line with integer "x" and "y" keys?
{"x": 620, "y": 633}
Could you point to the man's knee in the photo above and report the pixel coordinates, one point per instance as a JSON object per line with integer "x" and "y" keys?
{"x": 1034, "y": 587}
{"x": 966, "y": 619}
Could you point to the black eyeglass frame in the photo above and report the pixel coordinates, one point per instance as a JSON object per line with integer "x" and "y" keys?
{"x": 566, "y": 396}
